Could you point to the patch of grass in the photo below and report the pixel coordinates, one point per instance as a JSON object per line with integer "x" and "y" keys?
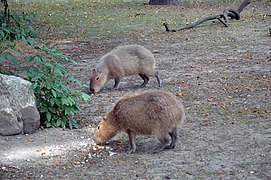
{"x": 86, "y": 20}
{"x": 111, "y": 19}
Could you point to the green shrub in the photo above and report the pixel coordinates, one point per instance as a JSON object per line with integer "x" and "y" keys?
{"x": 13, "y": 27}
{"x": 57, "y": 102}
{"x": 51, "y": 81}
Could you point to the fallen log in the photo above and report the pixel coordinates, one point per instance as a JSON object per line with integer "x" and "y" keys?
{"x": 223, "y": 18}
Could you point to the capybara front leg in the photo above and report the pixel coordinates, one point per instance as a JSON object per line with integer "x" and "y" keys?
{"x": 117, "y": 83}
{"x": 131, "y": 135}
{"x": 164, "y": 142}
{"x": 145, "y": 78}
{"x": 173, "y": 135}
{"x": 158, "y": 79}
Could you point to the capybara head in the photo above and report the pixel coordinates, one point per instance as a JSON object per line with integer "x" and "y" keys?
{"x": 97, "y": 81}
{"x": 105, "y": 130}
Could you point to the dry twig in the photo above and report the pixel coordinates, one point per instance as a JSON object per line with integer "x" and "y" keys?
{"x": 223, "y": 18}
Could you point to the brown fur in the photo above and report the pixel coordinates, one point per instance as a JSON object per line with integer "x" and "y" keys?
{"x": 121, "y": 62}
{"x": 156, "y": 113}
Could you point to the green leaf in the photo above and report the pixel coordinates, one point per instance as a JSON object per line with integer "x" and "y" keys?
{"x": 34, "y": 85}
{"x": 52, "y": 101}
{"x": 59, "y": 72}
{"x": 58, "y": 122}
{"x": 64, "y": 101}
{"x": 63, "y": 124}
{"x": 71, "y": 101}
{"x": 7, "y": 30}
{"x": 54, "y": 93}
{"x": 43, "y": 109}
{"x": 76, "y": 125}
{"x": 52, "y": 110}
{"x": 48, "y": 116}
{"x": 2, "y": 33}
{"x": 58, "y": 102}
{"x": 77, "y": 108}
{"x": 66, "y": 111}
{"x": 85, "y": 97}
{"x": 48, "y": 124}
{"x": 10, "y": 57}
{"x": 37, "y": 48}
{"x": 70, "y": 124}
{"x": 24, "y": 40}
{"x": 73, "y": 124}
{"x": 30, "y": 41}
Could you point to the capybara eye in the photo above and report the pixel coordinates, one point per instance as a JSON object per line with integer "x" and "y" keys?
{"x": 97, "y": 78}
{"x": 98, "y": 127}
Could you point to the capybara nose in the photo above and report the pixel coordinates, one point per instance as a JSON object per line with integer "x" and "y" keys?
{"x": 91, "y": 90}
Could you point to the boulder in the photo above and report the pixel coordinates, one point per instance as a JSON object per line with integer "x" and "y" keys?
{"x": 18, "y": 111}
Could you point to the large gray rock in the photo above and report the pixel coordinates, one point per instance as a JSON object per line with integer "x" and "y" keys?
{"x": 18, "y": 112}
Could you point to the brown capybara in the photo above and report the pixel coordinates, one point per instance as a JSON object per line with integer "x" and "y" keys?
{"x": 155, "y": 113}
{"x": 121, "y": 62}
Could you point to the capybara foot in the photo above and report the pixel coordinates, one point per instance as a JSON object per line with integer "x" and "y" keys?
{"x": 157, "y": 149}
{"x": 132, "y": 151}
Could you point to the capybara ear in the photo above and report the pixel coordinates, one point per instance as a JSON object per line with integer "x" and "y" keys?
{"x": 104, "y": 118}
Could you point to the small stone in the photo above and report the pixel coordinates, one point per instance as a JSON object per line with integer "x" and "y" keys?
{"x": 111, "y": 153}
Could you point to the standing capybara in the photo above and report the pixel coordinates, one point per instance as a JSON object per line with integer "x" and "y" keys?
{"x": 154, "y": 113}
{"x": 121, "y": 62}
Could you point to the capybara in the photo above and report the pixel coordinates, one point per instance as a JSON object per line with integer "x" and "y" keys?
{"x": 151, "y": 113}
{"x": 121, "y": 62}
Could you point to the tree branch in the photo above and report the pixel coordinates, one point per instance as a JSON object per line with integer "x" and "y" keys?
{"x": 223, "y": 18}
{"x": 243, "y": 5}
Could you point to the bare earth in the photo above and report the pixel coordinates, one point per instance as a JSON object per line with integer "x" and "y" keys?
{"x": 222, "y": 75}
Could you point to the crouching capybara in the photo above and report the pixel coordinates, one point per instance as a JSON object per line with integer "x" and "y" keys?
{"x": 151, "y": 113}
{"x": 121, "y": 62}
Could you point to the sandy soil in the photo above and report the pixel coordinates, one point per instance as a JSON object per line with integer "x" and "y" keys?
{"x": 222, "y": 75}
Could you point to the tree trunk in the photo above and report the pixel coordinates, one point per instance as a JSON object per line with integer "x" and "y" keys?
{"x": 164, "y": 2}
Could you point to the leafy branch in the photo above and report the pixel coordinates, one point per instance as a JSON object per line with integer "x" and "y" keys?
{"x": 51, "y": 81}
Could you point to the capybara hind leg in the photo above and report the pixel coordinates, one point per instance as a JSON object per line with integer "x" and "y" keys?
{"x": 145, "y": 78}
{"x": 158, "y": 149}
{"x": 117, "y": 83}
{"x": 158, "y": 78}
{"x": 131, "y": 135}
{"x": 164, "y": 141}
{"x": 173, "y": 135}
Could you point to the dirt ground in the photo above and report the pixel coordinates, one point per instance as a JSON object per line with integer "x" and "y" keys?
{"x": 223, "y": 77}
